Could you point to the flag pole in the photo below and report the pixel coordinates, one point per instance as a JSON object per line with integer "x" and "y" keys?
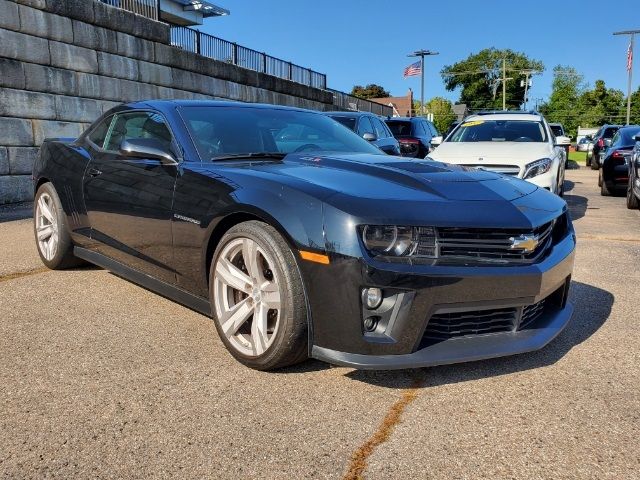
{"x": 631, "y": 34}
{"x": 421, "y": 53}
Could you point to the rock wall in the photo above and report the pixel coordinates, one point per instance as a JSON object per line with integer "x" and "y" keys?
{"x": 64, "y": 62}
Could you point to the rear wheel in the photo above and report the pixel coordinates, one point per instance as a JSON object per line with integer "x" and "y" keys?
{"x": 604, "y": 190}
{"x": 632, "y": 200}
{"x": 50, "y": 229}
{"x": 594, "y": 163}
{"x": 258, "y": 301}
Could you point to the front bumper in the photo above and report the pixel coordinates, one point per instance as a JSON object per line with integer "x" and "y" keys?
{"x": 457, "y": 350}
{"x": 338, "y": 336}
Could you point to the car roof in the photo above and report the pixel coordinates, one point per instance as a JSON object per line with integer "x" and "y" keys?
{"x": 505, "y": 116}
{"x": 160, "y": 104}
{"x": 337, "y": 113}
{"x": 404, "y": 119}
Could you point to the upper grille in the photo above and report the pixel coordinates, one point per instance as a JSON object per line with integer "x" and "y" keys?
{"x": 513, "y": 170}
{"x": 492, "y": 244}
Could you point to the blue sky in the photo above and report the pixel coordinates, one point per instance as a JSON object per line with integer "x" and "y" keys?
{"x": 360, "y": 41}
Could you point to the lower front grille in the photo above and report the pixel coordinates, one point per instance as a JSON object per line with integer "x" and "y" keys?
{"x": 443, "y": 326}
{"x": 531, "y": 313}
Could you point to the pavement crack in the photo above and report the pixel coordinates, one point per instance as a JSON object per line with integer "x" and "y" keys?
{"x": 359, "y": 458}
{"x": 26, "y": 273}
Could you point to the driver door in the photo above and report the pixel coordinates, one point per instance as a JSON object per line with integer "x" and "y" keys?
{"x": 129, "y": 200}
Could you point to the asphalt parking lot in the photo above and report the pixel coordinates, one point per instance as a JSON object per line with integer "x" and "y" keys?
{"x": 101, "y": 378}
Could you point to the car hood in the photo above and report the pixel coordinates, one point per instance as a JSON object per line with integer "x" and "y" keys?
{"x": 385, "y": 177}
{"x": 500, "y": 153}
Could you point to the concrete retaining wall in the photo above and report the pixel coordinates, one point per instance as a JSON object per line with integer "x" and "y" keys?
{"x": 64, "y": 62}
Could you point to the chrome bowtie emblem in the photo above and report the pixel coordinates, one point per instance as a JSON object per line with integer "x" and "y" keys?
{"x": 526, "y": 243}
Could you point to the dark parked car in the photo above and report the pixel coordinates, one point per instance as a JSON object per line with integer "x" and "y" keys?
{"x": 601, "y": 140}
{"x": 369, "y": 127}
{"x": 633, "y": 188}
{"x": 614, "y": 171}
{"x": 414, "y": 135}
{"x": 258, "y": 216}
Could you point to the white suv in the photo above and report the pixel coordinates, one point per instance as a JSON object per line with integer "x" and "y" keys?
{"x": 513, "y": 143}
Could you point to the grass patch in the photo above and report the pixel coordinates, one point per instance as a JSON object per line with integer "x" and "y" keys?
{"x": 578, "y": 157}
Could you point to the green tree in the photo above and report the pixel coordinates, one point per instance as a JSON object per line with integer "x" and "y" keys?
{"x": 565, "y": 103}
{"x": 442, "y": 111}
{"x": 370, "y": 91}
{"x": 635, "y": 108}
{"x": 602, "y": 105}
{"x": 479, "y": 78}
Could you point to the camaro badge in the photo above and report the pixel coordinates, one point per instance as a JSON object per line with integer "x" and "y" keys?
{"x": 527, "y": 243}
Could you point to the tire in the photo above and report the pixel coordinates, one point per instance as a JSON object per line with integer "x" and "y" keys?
{"x": 284, "y": 340}
{"x": 600, "y": 179}
{"x": 594, "y": 163}
{"x": 50, "y": 230}
{"x": 604, "y": 190}
{"x": 632, "y": 200}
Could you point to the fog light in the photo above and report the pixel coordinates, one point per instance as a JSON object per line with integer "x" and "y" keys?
{"x": 370, "y": 323}
{"x": 371, "y": 297}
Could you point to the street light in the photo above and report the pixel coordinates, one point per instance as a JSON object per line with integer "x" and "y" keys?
{"x": 631, "y": 34}
{"x": 422, "y": 53}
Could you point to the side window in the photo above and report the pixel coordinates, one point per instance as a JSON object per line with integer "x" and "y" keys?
{"x": 364, "y": 126}
{"x": 99, "y": 133}
{"x": 129, "y": 126}
{"x": 381, "y": 130}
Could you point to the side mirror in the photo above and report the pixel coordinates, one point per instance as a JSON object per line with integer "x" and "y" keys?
{"x": 149, "y": 148}
{"x": 435, "y": 141}
{"x": 563, "y": 141}
{"x": 370, "y": 137}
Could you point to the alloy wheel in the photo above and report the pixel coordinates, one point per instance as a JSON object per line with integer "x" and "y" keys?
{"x": 247, "y": 296}
{"x": 46, "y": 226}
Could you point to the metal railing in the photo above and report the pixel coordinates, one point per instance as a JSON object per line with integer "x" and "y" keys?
{"x": 355, "y": 104}
{"x": 225, "y": 51}
{"x": 146, "y": 8}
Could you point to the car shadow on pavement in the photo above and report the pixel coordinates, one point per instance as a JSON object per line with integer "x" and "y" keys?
{"x": 577, "y": 206}
{"x": 573, "y": 165}
{"x": 592, "y": 308}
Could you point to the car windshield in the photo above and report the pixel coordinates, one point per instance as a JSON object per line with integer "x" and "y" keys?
{"x": 399, "y": 128}
{"x": 224, "y": 131}
{"x": 557, "y": 130}
{"x": 499, "y": 131}
{"x": 348, "y": 122}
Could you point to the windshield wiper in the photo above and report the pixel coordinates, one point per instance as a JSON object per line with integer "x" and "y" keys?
{"x": 241, "y": 156}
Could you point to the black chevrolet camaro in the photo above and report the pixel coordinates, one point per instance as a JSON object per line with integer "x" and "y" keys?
{"x": 301, "y": 239}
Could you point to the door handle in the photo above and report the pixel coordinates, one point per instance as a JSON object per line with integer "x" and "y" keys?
{"x": 94, "y": 172}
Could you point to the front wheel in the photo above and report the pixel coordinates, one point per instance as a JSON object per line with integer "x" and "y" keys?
{"x": 50, "y": 229}
{"x": 258, "y": 301}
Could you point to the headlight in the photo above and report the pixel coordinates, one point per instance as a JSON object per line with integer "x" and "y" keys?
{"x": 399, "y": 241}
{"x": 536, "y": 168}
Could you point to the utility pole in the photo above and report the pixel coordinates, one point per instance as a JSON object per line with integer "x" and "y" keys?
{"x": 422, "y": 53}
{"x": 504, "y": 84}
{"x": 527, "y": 76}
{"x": 631, "y": 34}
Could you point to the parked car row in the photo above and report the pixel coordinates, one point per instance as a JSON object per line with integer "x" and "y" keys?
{"x": 619, "y": 164}
{"x": 405, "y": 136}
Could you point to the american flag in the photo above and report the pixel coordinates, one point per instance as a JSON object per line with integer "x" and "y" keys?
{"x": 413, "y": 69}
{"x": 629, "y": 57}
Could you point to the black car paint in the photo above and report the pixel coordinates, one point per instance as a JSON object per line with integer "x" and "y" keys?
{"x": 316, "y": 202}
{"x": 387, "y": 142}
{"x": 615, "y": 167}
{"x": 606, "y": 132}
{"x": 634, "y": 170}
